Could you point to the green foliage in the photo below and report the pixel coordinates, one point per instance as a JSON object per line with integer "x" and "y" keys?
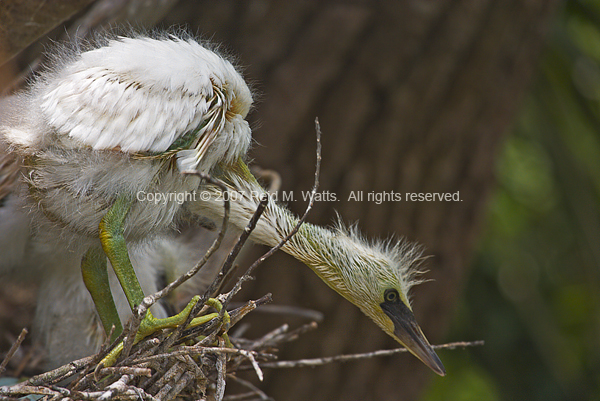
{"x": 534, "y": 293}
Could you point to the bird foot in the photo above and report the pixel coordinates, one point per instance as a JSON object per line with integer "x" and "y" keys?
{"x": 151, "y": 325}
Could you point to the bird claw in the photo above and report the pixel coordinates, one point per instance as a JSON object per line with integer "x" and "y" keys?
{"x": 151, "y": 325}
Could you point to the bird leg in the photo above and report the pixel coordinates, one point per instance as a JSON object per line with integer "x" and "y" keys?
{"x": 95, "y": 277}
{"x": 111, "y": 358}
{"x": 112, "y": 228}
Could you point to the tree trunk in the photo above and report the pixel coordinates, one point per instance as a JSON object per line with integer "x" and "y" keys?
{"x": 412, "y": 97}
{"x": 31, "y": 19}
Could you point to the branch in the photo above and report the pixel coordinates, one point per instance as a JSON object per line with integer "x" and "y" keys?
{"x": 12, "y": 350}
{"x": 353, "y": 357}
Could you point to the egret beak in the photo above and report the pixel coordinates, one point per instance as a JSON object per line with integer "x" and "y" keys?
{"x": 409, "y": 334}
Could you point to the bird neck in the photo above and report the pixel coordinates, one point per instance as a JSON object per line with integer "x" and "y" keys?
{"x": 315, "y": 246}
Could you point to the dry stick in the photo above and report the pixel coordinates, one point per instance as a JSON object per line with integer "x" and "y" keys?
{"x": 236, "y": 315}
{"x": 287, "y": 336}
{"x": 352, "y": 357}
{"x": 289, "y": 310}
{"x": 239, "y": 313}
{"x": 118, "y": 387}
{"x": 191, "y": 372}
{"x": 196, "y": 350}
{"x": 12, "y": 350}
{"x": 247, "y": 384}
{"x": 215, "y": 245}
{"x": 60, "y": 373}
{"x": 133, "y": 325}
{"x": 127, "y": 370}
{"x": 221, "y": 371}
{"x": 170, "y": 375}
{"x": 194, "y": 366}
{"x": 16, "y": 391}
{"x": 226, "y": 269}
{"x": 165, "y": 384}
{"x": 281, "y": 243}
{"x": 179, "y": 386}
{"x": 269, "y": 337}
{"x": 145, "y": 347}
{"x": 149, "y": 300}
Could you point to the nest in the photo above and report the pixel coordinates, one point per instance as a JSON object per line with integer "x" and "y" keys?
{"x": 179, "y": 363}
{"x": 171, "y": 364}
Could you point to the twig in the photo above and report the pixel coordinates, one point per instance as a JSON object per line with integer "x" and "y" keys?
{"x": 13, "y": 349}
{"x": 162, "y": 386}
{"x": 60, "y": 373}
{"x": 181, "y": 384}
{"x": 15, "y": 391}
{"x": 294, "y": 334}
{"x": 239, "y": 313}
{"x": 120, "y": 386}
{"x": 195, "y": 350}
{"x": 352, "y": 357}
{"x": 237, "y": 248}
{"x": 215, "y": 245}
{"x": 301, "y": 221}
{"x": 304, "y": 216}
{"x": 126, "y": 370}
{"x": 134, "y": 324}
{"x": 221, "y": 370}
{"x": 255, "y": 390}
{"x": 290, "y": 310}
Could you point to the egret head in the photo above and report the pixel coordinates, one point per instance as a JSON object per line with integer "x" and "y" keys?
{"x": 377, "y": 278}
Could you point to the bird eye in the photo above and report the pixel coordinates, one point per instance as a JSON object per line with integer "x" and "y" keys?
{"x": 391, "y": 295}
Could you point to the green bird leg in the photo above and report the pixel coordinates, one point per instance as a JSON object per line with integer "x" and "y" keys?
{"x": 112, "y": 356}
{"x": 112, "y": 228}
{"x": 95, "y": 277}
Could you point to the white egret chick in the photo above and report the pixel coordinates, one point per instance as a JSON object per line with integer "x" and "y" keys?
{"x": 124, "y": 117}
{"x": 99, "y": 140}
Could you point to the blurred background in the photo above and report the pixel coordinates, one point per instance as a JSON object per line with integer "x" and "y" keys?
{"x": 499, "y": 100}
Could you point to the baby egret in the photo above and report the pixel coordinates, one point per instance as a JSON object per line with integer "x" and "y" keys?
{"x": 108, "y": 130}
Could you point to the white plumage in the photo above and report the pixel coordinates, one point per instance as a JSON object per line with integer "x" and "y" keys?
{"x": 111, "y": 118}
{"x": 143, "y": 94}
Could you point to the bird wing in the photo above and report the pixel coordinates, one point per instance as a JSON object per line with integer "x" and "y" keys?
{"x": 111, "y": 112}
{"x": 143, "y": 95}
{"x": 120, "y": 114}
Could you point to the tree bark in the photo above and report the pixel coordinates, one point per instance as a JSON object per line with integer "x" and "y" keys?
{"x": 31, "y": 19}
{"x": 412, "y": 97}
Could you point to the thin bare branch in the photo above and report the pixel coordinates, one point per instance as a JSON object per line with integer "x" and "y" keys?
{"x": 353, "y": 357}
{"x": 293, "y": 232}
{"x": 13, "y": 349}
{"x": 221, "y": 371}
{"x": 237, "y": 248}
{"x": 216, "y": 244}
{"x": 255, "y": 390}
